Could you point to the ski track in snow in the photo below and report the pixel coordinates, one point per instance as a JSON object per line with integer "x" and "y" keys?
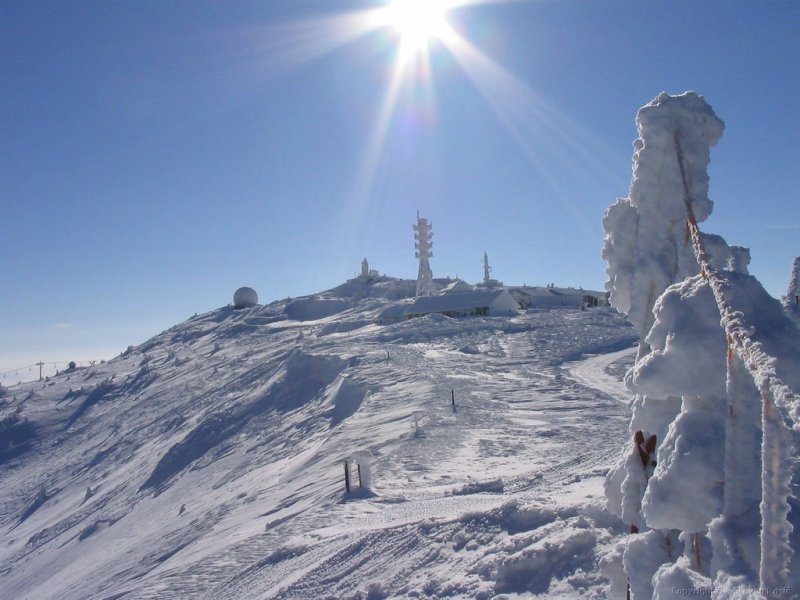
{"x": 592, "y": 373}
{"x": 459, "y": 505}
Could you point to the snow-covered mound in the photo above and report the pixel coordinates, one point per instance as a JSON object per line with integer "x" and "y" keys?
{"x": 208, "y": 462}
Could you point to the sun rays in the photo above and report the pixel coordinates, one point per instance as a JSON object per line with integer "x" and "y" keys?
{"x": 543, "y": 133}
{"x": 413, "y": 33}
{"x": 418, "y": 23}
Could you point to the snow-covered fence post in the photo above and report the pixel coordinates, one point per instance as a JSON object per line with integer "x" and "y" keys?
{"x": 733, "y": 532}
{"x": 647, "y": 251}
{"x": 776, "y": 470}
{"x": 363, "y": 462}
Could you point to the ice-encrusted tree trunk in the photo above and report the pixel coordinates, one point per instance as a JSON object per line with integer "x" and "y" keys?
{"x": 646, "y": 246}
{"x": 647, "y": 249}
{"x": 716, "y": 419}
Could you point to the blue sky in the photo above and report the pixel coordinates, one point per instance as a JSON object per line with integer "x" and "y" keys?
{"x": 156, "y": 155}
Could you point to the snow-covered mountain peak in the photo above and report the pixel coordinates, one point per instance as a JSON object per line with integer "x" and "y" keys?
{"x": 209, "y": 460}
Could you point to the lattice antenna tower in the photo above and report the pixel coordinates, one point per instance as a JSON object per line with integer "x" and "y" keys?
{"x": 487, "y": 278}
{"x": 423, "y": 244}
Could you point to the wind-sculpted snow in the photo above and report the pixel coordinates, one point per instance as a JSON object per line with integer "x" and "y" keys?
{"x": 313, "y": 309}
{"x": 646, "y": 247}
{"x": 208, "y": 461}
{"x": 41, "y": 497}
{"x": 716, "y": 384}
{"x": 302, "y": 379}
{"x": 103, "y": 390}
{"x": 17, "y": 436}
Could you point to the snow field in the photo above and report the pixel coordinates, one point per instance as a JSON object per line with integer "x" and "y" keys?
{"x": 215, "y": 458}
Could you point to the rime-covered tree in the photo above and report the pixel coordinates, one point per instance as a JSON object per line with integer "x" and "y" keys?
{"x": 713, "y": 510}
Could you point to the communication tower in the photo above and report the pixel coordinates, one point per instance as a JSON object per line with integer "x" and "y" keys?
{"x": 423, "y": 245}
{"x": 488, "y": 282}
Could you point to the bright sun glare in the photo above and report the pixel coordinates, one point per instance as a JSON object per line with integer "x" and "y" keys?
{"x": 417, "y": 22}
{"x": 542, "y": 132}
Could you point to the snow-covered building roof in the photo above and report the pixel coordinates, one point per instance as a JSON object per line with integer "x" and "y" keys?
{"x": 549, "y": 296}
{"x": 467, "y": 303}
{"x": 457, "y": 286}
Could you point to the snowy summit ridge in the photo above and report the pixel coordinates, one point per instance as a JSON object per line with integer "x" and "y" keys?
{"x": 208, "y": 461}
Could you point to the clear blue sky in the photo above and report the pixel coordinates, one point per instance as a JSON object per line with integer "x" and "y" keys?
{"x": 156, "y": 155}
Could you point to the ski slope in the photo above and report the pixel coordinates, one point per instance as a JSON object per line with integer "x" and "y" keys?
{"x": 208, "y": 461}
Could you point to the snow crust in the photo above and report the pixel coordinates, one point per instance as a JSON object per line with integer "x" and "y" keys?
{"x": 208, "y": 462}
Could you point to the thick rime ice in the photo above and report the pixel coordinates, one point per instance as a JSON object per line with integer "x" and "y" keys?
{"x": 644, "y": 555}
{"x": 735, "y": 535}
{"x": 791, "y": 301}
{"x": 688, "y": 347}
{"x": 723, "y": 469}
{"x": 685, "y": 492}
{"x": 647, "y": 249}
{"x": 679, "y": 575}
{"x": 646, "y": 246}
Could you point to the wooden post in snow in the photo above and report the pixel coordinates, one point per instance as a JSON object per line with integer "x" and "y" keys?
{"x": 453, "y": 398}
{"x": 697, "y": 549}
{"x": 346, "y": 477}
{"x": 358, "y": 465}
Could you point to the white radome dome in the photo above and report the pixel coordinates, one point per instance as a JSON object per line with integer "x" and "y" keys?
{"x": 245, "y": 297}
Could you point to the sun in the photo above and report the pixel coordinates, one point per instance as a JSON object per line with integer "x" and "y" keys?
{"x": 417, "y": 22}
